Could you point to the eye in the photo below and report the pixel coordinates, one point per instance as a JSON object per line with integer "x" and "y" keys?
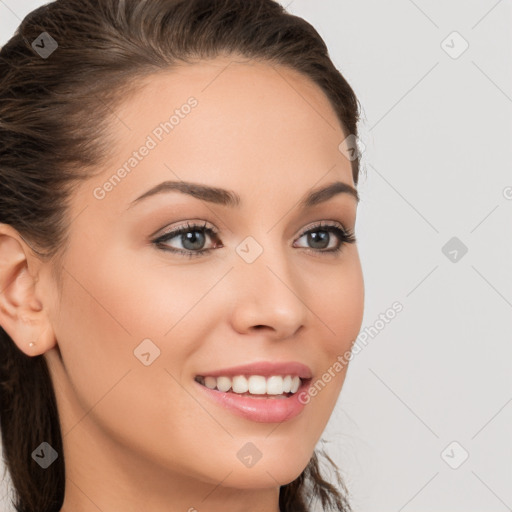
{"x": 192, "y": 238}
{"x": 319, "y": 236}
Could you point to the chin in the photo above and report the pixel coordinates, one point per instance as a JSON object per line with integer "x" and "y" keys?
{"x": 268, "y": 472}
{"x": 262, "y": 478}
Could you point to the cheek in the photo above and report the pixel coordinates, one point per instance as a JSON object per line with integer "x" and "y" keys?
{"x": 143, "y": 296}
{"x": 340, "y": 305}
{"x": 110, "y": 304}
{"x": 338, "y": 312}
{"x": 105, "y": 312}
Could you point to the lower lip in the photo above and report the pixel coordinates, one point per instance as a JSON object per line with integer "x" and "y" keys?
{"x": 262, "y": 410}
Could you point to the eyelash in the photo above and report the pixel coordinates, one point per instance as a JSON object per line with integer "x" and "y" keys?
{"x": 346, "y": 236}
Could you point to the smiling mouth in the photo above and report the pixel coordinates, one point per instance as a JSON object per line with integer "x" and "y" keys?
{"x": 254, "y": 386}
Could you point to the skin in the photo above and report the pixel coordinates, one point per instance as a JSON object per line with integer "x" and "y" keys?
{"x": 142, "y": 437}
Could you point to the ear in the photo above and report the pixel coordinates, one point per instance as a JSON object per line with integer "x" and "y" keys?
{"x": 22, "y": 315}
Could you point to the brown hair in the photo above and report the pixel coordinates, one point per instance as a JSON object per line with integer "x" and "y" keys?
{"x": 55, "y": 113}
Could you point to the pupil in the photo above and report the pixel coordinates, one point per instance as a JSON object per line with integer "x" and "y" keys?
{"x": 192, "y": 237}
{"x": 313, "y": 239}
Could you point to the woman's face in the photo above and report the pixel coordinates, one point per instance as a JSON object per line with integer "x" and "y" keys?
{"x": 135, "y": 321}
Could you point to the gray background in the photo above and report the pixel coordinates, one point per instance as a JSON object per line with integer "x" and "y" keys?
{"x": 434, "y": 385}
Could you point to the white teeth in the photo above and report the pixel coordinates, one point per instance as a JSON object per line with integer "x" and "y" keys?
{"x": 240, "y": 384}
{"x": 295, "y": 384}
{"x": 275, "y": 385}
{"x": 210, "y": 382}
{"x": 223, "y": 383}
{"x": 255, "y": 384}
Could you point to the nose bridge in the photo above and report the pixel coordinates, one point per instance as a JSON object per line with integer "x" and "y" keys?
{"x": 268, "y": 291}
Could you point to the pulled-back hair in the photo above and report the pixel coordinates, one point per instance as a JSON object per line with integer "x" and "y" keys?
{"x": 55, "y": 113}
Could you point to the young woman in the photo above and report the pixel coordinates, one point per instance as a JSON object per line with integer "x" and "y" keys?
{"x": 179, "y": 279}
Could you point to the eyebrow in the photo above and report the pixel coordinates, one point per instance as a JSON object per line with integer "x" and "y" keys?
{"x": 231, "y": 199}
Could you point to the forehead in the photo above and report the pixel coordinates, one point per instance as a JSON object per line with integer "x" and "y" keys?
{"x": 230, "y": 123}
{"x": 232, "y": 81}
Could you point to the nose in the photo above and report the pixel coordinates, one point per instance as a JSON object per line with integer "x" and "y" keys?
{"x": 268, "y": 296}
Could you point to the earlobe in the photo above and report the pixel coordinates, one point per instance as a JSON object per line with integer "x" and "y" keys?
{"x": 22, "y": 315}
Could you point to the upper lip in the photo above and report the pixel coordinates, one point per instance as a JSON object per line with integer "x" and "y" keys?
{"x": 264, "y": 368}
